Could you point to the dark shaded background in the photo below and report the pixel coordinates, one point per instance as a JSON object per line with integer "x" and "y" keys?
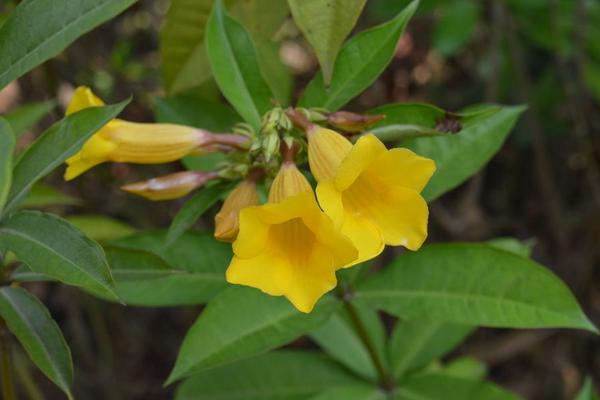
{"x": 543, "y": 186}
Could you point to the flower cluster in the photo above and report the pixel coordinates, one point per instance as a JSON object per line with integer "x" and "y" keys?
{"x": 366, "y": 196}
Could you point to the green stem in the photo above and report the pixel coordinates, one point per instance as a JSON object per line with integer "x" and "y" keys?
{"x": 8, "y": 389}
{"x": 385, "y": 379}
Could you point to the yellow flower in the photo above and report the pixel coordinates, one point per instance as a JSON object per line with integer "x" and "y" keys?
{"x": 227, "y": 219}
{"x": 123, "y": 141}
{"x": 370, "y": 192}
{"x": 288, "y": 246}
{"x": 169, "y": 187}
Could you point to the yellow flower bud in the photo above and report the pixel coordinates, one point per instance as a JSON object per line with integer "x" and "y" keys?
{"x": 326, "y": 151}
{"x": 140, "y": 143}
{"x": 169, "y": 187}
{"x": 288, "y": 182}
{"x": 352, "y": 122}
{"x": 227, "y": 219}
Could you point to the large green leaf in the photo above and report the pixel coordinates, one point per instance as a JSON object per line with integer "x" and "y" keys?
{"x": 26, "y": 116}
{"x": 57, "y": 24}
{"x": 184, "y": 59}
{"x": 417, "y": 342}
{"x": 7, "y": 147}
{"x": 326, "y": 24}
{"x": 201, "y": 259}
{"x": 358, "y": 64}
{"x": 185, "y": 62}
{"x": 41, "y": 195}
{"x": 439, "y": 386}
{"x": 137, "y": 265}
{"x": 29, "y": 320}
{"x": 280, "y": 375}
{"x": 340, "y": 338}
{"x": 193, "y": 110}
{"x": 587, "y": 390}
{"x": 242, "y": 322}
{"x": 100, "y": 228}
{"x": 51, "y": 245}
{"x": 58, "y": 143}
{"x": 193, "y": 209}
{"x": 234, "y": 64}
{"x": 473, "y": 284}
{"x": 356, "y": 391}
{"x": 481, "y": 135}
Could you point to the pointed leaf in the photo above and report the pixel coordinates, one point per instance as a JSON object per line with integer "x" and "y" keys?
{"x": 7, "y": 147}
{"x": 417, "y": 342}
{"x": 101, "y": 229}
{"x": 587, "y": 390}
{"x": 438, "y": 386}
{"x": 289, "y": 375}
{"x": 362, "y": 59}
{"x": 194, "y": 208}
{"x": 26, "y": 116}
{"x": 326, "y": 24}
{"x": 339, "y": 337}
{"x": 356, "y": 391}
{"x": 51, "y": 245}
{"x": 473, "y": 284}
{"x": 235, "y": 67}
{"x": 480, "y": 134}
{"x": 201, "y": 259}
{"x": 42, "y": 195}
{"x": 58, "y": 143}
{"x": 59, "y": 23}
{"x": 129, "y": 265}
{"x": 29, "y": 320}
{"x": 242, "y": 322}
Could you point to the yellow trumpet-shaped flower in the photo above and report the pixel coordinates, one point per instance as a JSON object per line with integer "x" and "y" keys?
{"x": 227, "y": 219}
{"x": 288, "y": 246}
{"x": 123, "y": 141}
{"x": 370, "y": 192}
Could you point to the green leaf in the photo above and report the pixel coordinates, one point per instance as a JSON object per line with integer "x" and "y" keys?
{"x": 521, "y": 248}
{"x": 233, "y": 60}
{"x": 42, "y": 195}
{"x": 51, "y": 245}
{"x": 63, "y": 22}
{"x": 184, "y": 59}
{"x": 326, "y": 24}
{"x": 356, "y": 391}
{"x": 201, "y": 259}
{"x": 439, "y": 386}
{"x": 280, "y": 375}
{"x": 417, "y": 342}
{"x": 587, "y": 390}
{"x": 473, "y": 284}
{"x": 193, "y": 209}
{"x": 29, "y": 320}
{"x": 101, "y": 229}
{"x": 26, "y": 116}
{"x": 185, "y": 62}
{"x": 241, "y": 322}
{"x": 137, "y": 265}
{"x": 338, "y": 336}
{"x": 7, "y": 147}
{"x": 58, "y": 143}
{"x": 465, "y": 367}
{"x": 362, "y": 59}
{"x": 456, "y": 25}
{"x": 482, "y": 134}
{"x": 193, "y": 110}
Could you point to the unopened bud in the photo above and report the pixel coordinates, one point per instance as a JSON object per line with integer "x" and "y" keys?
{"x": 271, "y": 146}
{"x": 227, "y": 222}
{"x": 169, "y": 187}
{"x": 352, "y": 122}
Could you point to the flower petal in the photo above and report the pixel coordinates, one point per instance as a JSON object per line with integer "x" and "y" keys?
{"x": 402, "y": 220}
{"x": 402, "y": 167}
{"x": 83, "y": 98}
{"x": 365, "y": 236}
{"x": 366, "y": 150}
